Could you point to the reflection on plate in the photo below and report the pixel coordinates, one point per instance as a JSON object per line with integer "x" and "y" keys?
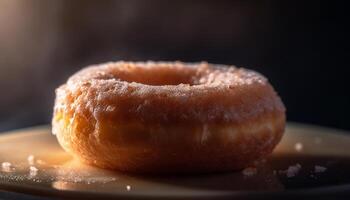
{"x": 309, "y": 160}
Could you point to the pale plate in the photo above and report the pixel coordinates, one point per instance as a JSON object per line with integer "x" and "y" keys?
{"x": 59, "y": 175}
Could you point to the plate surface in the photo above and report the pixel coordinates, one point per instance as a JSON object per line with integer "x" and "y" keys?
{"x": 318, "y": 160}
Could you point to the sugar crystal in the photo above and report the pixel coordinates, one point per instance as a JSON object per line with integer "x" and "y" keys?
{"x": 6, "y": 166}
{"x": 298, "y": 147}
{"x": 293, "y": 170}
{"x": 128, "y": 187}
{"x": 320, "y": 169}
{"x": 250, "y": 171}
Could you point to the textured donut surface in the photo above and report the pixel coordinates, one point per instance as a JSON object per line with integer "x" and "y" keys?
{"x": 160, "y": 117}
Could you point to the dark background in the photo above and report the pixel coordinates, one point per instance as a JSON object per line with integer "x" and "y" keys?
{"x": 299, "y": 45}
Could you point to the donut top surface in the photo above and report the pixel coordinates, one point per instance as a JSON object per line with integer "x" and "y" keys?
{"x": 167, "y": 74}
{"x": 168, "y": 92}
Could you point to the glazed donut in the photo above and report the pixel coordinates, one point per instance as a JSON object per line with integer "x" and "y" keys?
{"x": 168, "y": 117}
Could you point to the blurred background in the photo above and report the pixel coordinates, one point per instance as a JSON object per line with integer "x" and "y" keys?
{"x": 43, "y": 42}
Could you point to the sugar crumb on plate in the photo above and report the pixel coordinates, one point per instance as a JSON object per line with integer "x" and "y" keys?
{"x": 6, "y": 166}
{"x": 250, "y": 171}
{"x": 33, "y": 171}
{"x": 293, "y": 170}
{"x": 298, "y": 146}
{"x": 319, "y": 169}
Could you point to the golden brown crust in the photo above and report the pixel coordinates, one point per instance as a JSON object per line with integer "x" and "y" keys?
{"x": 168, "y": 117}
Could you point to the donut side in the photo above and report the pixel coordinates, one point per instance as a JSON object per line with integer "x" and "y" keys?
{"x": 139, "y": 148}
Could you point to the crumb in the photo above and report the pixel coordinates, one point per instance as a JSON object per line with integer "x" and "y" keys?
{"x": 293, "y": 170}
{"x": 32, "y": 168}
{"x": 33, "y": 171}
{"x": 298, "y": 147}
{"x": 250, "y": 171}
{"x": 128, "y": 187}
{"x": 30, "y": 160}
{"x": 319, "y": 169}
{"x": 6, "y": 166}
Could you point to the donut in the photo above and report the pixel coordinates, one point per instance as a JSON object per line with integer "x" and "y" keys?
{"x": 168, "y": 117}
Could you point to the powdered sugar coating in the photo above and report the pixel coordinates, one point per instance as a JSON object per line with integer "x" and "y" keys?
{"x": 168, "y": 116}
{"x": 238, "y": 93}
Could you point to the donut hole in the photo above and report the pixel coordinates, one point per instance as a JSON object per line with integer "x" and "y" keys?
{"x": 157, "y": 75}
